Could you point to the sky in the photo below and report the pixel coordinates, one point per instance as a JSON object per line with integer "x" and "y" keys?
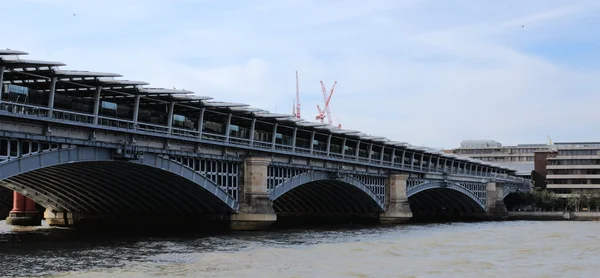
{"x": 427, "y": 72}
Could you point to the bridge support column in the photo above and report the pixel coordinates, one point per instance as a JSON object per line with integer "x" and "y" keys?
{"x": 494, "y": 205}
{"x": 256, "y": 208}
{"x": 397, "y": 209}
{"x": 23, "y": 212}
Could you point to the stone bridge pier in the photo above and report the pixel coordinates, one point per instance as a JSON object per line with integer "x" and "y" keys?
{"x": 256, "y": 208}
{"x": 494, "y": 205}
{"x": 396, "y": 205}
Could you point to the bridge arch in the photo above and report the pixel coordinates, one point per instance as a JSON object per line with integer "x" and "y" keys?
{"x": 322, "y": 192}
{"x": 92, "y": 180}
{"x": 432, "y": 196}
{"x": 512, "y": 188}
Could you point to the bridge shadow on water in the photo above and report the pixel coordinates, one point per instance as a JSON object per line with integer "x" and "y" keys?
{"x": 39, "y": 251}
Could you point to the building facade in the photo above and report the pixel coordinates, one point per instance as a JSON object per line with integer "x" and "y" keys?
{"x": 562, "y": 168}
{"x": 573, "y": 167}
{"x": 519, "y": 157}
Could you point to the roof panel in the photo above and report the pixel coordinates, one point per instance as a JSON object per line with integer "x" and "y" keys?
{"x": 345, "y": 131}
{"x": 398, "y": 143}
{"x": 21, "y": 63}
{"x": 325, "y": 127}
{"x": 189, "y": 97}
{"x": 82, "y": 74}
{"x": 12, "y": 52}
{"x": 245, "y": 109}
{"x": 430, "y": 150}
{"x": 383, "y": 140}
{"x": 290, "y": 119}
{"x": 118, "y": 82}
{"x": 221, "y": 104}
{"x": 372, "y": 138}
{"x": 271, "y": 115}
{"x": 164, "y": 91}
{"x": 310, "y": 124}
{"x": 417, "y": 148}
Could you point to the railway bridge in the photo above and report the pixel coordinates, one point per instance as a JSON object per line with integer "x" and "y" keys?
{"x": 90, "y": 147}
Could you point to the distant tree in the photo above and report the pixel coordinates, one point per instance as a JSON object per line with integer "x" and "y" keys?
{"x": 573, "y": 202}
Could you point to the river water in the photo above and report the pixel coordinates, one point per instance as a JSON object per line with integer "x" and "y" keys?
{"x": 486, "y": 249}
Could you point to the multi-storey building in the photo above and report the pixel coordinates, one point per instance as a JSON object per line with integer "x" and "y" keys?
{"x": 572, "y": 167}
{"x": 519, "y": 157}
{"x": 560, "y": 167}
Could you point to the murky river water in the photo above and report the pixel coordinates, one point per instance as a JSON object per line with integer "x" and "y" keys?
{"x": 492, "y": 249}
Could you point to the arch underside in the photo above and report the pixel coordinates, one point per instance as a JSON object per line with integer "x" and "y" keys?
{"x": 435, "y": 199}
{"x": 115, "y": 187}
{"x": 5, "y": 198}
{"x": 509, "y": 190}
{"x": 314, "y": 193}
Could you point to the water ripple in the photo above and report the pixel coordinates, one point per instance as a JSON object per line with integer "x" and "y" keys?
{"x": 493, "y": 249}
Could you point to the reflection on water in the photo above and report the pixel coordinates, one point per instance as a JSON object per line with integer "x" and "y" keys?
{"x": 492, "y": 249}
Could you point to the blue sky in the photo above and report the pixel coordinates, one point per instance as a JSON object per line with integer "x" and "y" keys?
{"x": 427, "y": 72}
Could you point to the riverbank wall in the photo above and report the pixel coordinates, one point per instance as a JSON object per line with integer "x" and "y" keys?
{"x": 554, "y": 215}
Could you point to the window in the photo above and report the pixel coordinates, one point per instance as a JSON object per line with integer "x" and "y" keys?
{"x": 3, "y": 148}
{"x": 14, "y": 148}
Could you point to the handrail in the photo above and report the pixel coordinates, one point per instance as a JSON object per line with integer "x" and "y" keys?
{"x": 27, "y": 109}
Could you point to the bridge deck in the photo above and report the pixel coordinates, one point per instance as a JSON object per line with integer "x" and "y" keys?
{"x": 37, "y": 90}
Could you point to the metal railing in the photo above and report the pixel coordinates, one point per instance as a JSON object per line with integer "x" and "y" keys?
{"x": 43, "y": 112}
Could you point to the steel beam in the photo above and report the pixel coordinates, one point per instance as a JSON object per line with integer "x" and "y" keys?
{"x": 170, "y": 117}
{"x": 227, "y": 128}
{"x": 252, "y": 130}
{"x": 344, "y": 148}
{"x": 328, "y": 144}
{"x": 1, "y": 82}
{"x": 357, "y": 149}
{"x": 97, "y": 104}
{"x": 403, "y": 153}
{"x": 274, "y": 135}
{"x": 201, "y": 123}
{"x": 136, "y": 109}
{"x": 312, "y": 142}
{"x": 294, "y": 138}
{"x": 430, "y": 162}
{"x": 51, "y": 96}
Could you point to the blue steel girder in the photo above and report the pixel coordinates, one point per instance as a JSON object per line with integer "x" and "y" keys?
{"x": 28, "y": 163}
{"x": 313, "y": 176}
{"x": 414, "y": 186}
{"x": 196, "y": 137}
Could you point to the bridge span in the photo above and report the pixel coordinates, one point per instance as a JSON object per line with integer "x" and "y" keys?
{"x": 92, "y": 148}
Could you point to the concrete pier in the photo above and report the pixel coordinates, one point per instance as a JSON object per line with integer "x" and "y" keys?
{"x": 397, "y": 206}
{"x": 496, "y": 210}
{"x": 256, "y": 209}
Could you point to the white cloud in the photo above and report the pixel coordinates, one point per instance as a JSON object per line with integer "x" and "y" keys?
{"x": 425, "y": 72}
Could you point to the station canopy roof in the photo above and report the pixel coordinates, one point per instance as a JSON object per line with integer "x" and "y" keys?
{"x": 11, "y": 62}
{"x": 37, "y": 75}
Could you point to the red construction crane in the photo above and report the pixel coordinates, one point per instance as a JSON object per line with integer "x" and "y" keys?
{"x": 326, "y": 99}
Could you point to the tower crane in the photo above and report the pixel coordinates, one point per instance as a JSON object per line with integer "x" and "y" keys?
{"x": 326, "y": 112}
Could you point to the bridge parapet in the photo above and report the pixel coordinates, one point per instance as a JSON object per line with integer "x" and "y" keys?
{"x": 390, "y": 157}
